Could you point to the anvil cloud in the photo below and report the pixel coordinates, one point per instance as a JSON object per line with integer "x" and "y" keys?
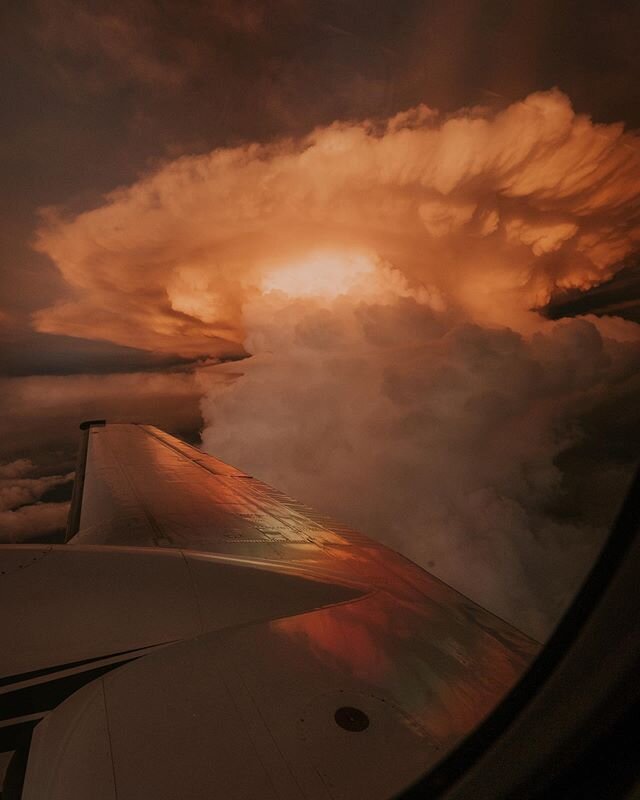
{"x": 488, "y": 212}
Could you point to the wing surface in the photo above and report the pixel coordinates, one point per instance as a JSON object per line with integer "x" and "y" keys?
{"x": 145, "y": 488}
{"x": 289, "y": 657}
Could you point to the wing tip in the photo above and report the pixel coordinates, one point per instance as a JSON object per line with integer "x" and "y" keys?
{"x": 89, "y": 423}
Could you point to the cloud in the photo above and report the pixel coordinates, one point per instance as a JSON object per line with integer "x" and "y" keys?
{"x": 16, "y": 492}
{"x": 41, "y": 414}
{"x": 32, "y": 523}
{"x": 22, "y": 518}
{"x": 493, "y": 211}
{"x": 621, "y": 295}
{"x": 441, "y": 438}
{"x": 16, "y": 469}
{"x": 101, "y": 50}
{"x": 25, "y": 352}
{"x": 386, "y": 274}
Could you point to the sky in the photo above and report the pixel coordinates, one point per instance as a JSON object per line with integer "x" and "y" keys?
{"x": 382, "y": 255}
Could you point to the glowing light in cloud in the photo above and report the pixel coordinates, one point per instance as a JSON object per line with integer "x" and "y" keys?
{"x": 360, "y": 277}
{"x": 321, "y": 274}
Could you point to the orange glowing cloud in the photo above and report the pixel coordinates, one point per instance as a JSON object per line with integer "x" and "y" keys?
{"x": 483, "y": 212}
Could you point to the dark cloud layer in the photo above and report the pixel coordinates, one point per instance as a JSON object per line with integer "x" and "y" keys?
{"x": 27, "y": 352}
{"x": 619, "y": 296}
{"x": 41, "y": 414}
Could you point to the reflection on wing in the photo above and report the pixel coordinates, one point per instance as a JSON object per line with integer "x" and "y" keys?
{"x": 145, "y": 488}
{"x": 306, "y": 660}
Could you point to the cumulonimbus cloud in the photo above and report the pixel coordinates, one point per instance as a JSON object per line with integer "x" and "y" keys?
{"x": 455, "y": 443}
{"x": 386, "y": 276}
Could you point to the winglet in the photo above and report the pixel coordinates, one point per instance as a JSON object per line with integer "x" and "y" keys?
{"x": 90, "y": 422}
{"x": 73, "y": 520}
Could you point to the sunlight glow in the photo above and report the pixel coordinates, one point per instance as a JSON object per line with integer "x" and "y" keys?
{"x": 322, "y": 274}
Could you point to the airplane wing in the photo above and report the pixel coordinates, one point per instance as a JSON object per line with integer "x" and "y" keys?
{"x": 200, "y": 634}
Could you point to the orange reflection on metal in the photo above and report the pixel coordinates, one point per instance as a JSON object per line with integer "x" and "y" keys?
{"x": 447, "y": 676}
{"x": 410, "y": 638}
